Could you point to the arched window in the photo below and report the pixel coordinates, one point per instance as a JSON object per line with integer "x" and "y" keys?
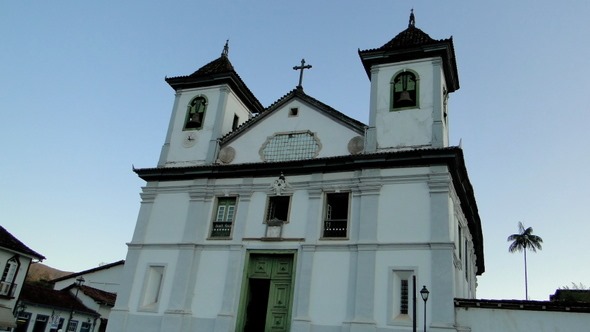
{"x": 195, "y": 113}
{"x": 404, "y": 90}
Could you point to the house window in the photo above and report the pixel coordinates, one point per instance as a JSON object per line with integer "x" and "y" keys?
{"x": 466, "y": 263}
{"x": 85, "y": 327}
{"x": 460, "y": 240}
{"x": 224, "y": 217}
{"x": 404, "y": 90}
{"x": 195, "y": 113}
{"x": 153, "y": 286}
{"x": 278, "y": 209}
{"x": 7, "y": 285}
{"x": 73, "y": 325}
{"x": 235, "y": 122}
{"x": 336, "y": 215}
{"x": 40, "y": 323}
{"x": 400, "y": 300}
{"x": 403, "y": 308}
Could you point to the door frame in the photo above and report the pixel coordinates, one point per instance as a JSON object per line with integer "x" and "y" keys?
{"x": 242, "y": 304}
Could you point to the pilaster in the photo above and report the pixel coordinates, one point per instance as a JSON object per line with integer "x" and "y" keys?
{"x": 166, "y": 146}
{"x": 197, "y": 223}
{"x": 218, "y": 125}
{"x": 438, "y": 126}
{"x": 362, "y": 295}
{"x": 148, "y": 196}
{"x": 371, "y": 132}
{"x": 226, "y": 319}
{"x": 301, "y": 318}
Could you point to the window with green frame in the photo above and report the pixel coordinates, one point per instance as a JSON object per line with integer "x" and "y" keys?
{"x": 404, "y": 90}
{"x": 224, "y": 217}
{"x": 195, "y": 113}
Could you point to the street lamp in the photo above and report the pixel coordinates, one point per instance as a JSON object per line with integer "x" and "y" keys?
{"x": 79, "y": 281}
{"x": 424, "y": 293}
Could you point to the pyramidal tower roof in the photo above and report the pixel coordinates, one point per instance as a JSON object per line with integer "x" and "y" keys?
{"x": 410, "y": 44}
{"x": 218, "y": 72}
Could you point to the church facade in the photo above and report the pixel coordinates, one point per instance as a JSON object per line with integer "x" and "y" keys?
{"x": 296, "y": 217}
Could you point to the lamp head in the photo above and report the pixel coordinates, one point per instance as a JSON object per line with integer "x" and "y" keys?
{"x": 424, "y": 293}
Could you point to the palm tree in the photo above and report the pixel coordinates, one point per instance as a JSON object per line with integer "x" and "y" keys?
{"x": 522, "y": 241}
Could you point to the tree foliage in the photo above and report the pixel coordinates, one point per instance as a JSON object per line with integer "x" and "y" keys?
{"x": 524, "y": 240}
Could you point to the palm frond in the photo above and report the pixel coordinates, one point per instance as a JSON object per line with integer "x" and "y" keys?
{"x": 524, "y": 240}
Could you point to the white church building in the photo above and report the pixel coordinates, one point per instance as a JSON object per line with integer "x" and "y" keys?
{"x": 296, "y": 217}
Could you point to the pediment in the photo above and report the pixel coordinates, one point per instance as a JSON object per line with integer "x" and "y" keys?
{"x": 296, "y": 127}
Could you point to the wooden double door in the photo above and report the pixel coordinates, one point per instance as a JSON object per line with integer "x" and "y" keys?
{"x": 267, "y": 300}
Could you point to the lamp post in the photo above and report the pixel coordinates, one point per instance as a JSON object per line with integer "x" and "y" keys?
{"x": 424, "y": 293}
{"x": 79, "y": 281}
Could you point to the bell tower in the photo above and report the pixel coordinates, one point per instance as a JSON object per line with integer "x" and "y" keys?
{"x": 411, "y": 78}
{"x": 209, "y": 103}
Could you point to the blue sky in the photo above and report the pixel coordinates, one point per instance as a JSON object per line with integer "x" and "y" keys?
{"x": 83, "y": 98}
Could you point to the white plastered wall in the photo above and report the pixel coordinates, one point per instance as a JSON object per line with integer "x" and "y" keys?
{"x": 333, "y": 136}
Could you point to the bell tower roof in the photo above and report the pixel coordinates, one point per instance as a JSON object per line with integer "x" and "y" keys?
{"x": 411, "y": 44}
{"x": 217, "y": 72}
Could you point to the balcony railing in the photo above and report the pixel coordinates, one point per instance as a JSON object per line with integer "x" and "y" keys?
{"x": 335, "y": 228}
{"x": 7, "y": 288}
{"x": 221, "y": 229}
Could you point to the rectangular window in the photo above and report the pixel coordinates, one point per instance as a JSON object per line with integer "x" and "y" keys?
{"x": 224, "y": 217}
{"x": 400, "y": 299}
{"x": 73, "y": 325}
{"x": 235, "y": 123}
{"x": 85, "y": 327}
{"x": 460, "y": 240}
{"x": 336, "y": 215}
{"x": 403, "y": 297}
{"x": 278, "y": 209}
{"x": 152, "y": 286}
{"x": 466, "y": 264}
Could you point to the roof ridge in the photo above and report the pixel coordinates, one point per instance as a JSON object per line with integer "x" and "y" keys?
{"x": 94, "y": 269}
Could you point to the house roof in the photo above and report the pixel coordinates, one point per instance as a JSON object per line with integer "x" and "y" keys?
{"x": 452, "y": 157}
{"x": 297, "y": 93}
{"x": 217, "y": 72}
{"x": 414, "y": 43}
{"x": 99, "y": 268}
{"x": 571, "y": 295}
{"x": 570, "y": 306}
{"x": 10, "y": 242}
{"x": 47, "y": 297}
{"x": 99, "y": 296}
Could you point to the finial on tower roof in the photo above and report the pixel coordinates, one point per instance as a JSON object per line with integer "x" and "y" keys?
{"x": 225, "y": 49}
{"x": 412, "y": 19}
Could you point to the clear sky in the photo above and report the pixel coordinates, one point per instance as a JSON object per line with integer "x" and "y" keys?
{"x": 83, "y": 98}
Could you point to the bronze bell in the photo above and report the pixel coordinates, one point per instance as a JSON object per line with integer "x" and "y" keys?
{"x": 404, "y": 96}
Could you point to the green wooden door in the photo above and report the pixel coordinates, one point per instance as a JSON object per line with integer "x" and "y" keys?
{"x": 277, "y": 271}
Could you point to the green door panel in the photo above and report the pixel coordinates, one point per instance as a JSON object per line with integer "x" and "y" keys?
{"x": 277, "y": 269}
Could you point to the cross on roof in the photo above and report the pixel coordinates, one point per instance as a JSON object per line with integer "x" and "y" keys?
{"x": 301, "y": 68}
{"x": 225, "y": 51}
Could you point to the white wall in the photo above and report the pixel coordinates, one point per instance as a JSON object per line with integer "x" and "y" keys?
{"x": 505, "y": 320}
{"x": 332, "y": 136}
{"x": 408, "y": 127}
{"x": 19, "y": 279}
{"x": 108, "y": 279}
